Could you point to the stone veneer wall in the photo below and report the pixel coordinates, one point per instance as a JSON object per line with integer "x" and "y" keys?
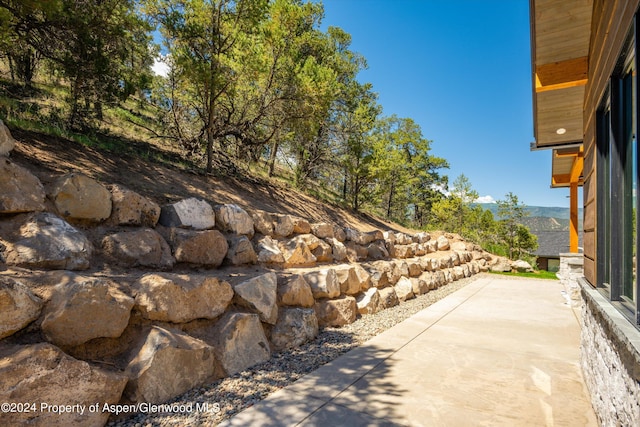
{"x": 571, "y": 269}
{"x": 610, "y": 358}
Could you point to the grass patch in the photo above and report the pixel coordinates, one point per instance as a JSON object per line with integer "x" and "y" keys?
{"x": 540, "y": 274}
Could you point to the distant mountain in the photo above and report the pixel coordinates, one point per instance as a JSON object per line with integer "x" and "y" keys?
{"x": 542, "y": 218}
{"x": 537, "y": 211}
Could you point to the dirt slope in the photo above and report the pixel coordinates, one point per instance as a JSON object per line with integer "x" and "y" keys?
{"x": 49, "y": 157}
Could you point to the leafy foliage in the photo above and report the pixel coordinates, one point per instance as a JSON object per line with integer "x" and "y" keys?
{"x": 100, "y": 48}
{"x": 249, "y": 82}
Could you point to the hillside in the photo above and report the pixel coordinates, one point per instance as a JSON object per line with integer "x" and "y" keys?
{"x": 48, "y": 157}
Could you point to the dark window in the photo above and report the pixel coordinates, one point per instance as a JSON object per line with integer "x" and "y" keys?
{"x": 617, "y": 181}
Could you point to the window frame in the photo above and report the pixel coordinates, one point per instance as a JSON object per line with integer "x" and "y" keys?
{"x": 618, "y": 175}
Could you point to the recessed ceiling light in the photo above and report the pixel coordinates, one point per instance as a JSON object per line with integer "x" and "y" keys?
{"x": 561, "y": 131}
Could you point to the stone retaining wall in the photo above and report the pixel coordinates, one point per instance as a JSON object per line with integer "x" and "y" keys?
{"x": 107, "y": 297}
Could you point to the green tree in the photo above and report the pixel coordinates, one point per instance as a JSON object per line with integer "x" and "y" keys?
{"x": 95, "y": 44}
{"x": 403, "y": 167}
{"x": 355, "y": 121}
{"x": 326, "y": 77}
{"x": 208, "y": 42}
{"x": 516, "y": 237}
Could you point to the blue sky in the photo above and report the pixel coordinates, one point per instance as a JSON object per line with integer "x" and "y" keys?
{"x": 461, "y": 69}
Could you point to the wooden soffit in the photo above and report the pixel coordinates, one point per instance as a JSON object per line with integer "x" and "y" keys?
{"x": 567, "y": 165}
{"x": 560, "y": 33}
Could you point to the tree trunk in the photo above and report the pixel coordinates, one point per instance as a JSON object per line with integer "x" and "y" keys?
{"x": 210, "y": 141}
{"x": 356, "y": 192}
{"x": 13, "y": 75}
{"x": 391, "y": 190}
{"x": 344, "y": 184}
{"x": 272, "y": 158}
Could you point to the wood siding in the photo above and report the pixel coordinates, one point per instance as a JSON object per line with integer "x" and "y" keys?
{"x": 611, "y": 21}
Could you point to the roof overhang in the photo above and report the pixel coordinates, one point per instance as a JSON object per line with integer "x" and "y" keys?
{"x": 567, "y": 166}
{"x": 560, "y": 33}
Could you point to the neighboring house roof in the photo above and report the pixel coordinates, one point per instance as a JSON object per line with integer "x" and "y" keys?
{"x": 553, "y": 243}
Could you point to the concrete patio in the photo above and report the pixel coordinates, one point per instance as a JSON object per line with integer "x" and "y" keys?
{"x": 499, "y": 352}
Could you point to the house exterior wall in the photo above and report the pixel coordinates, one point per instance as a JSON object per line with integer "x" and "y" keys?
{"x": 610, "y": 24}
{"x": 610, "y": 342}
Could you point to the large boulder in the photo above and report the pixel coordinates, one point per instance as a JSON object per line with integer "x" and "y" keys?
{"x": 141, "y": 247}
{"x": 403, "y": 239}
{"x": 43, "y": 240}
{"x": 368, "y": 302}
{"x": 166, "y": 364}
{"x": 295, "y": 291}
{"x": 324, "y": 283}
{"x": 297, "y": 254}
{"x": 379, "y": 278}
{"x": 431, "y": 246}
{"x": 234, "y": 219}
{"x": 322, "y": 230}
{"x": 18, "y": 306}
{"x": 419, "y": 249}
{"x": 361, "y": 238}
{"x": 440, "y": 278}
{"x": 420, "y": 285}
{"x": 348, "y": 279}
{"x": 338, "y": 249}
{"x": 364, "y": 278}
{"x": 501, "y": 265}
{"x": 422, "y": 237}
{"x": 426, "y": 264}
{"x": 239, "y": 342}
{"x": 7, "y": 143}
{"x": 208, "y": 247}
{"x": 43, "y": 375}
{"x": 458, "y": 273}
{"x": 301, "y": 226}
{"x": 188, "y": 213}
{"x": 130, "y": 208}
{"x": 460, "y": 246}
{"x": 180, "y": 298}
{"x": 259, "y": 294}
{"x": 80, "y": 198}
{"x": 443, "y": 243}
{"x": 336, "y": 312}
{"x": 20, "y": 190}
{"x": 309, "y": 240}
{"x": 384, "y": 273}
{"x": 339, "y": 233}
{"x": 455, "y": 258}
{"x": 269, "y": 252}
{"x": 83, "y": 308}
{"x": 403, "y": 251}
{"x": 240, "y": 251}
{"x": 388, "y": 297}
{"x": 415, "y": 268}
{"x": 404, "y": 289}
{"x": 521, "y": 266}
{"x": 389, "y": 236}
{"x": 295, "y": 326}
{"x": 356, "y": 252}
{"x": 283, "y": 225}
{"x": 377, "y": 250}
{"x": 399, "y": 269}
{"x": 262, "y": 222}
{"x": 323, "y": 252}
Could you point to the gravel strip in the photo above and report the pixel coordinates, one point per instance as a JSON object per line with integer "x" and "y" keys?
{"x": 228, "y": 396}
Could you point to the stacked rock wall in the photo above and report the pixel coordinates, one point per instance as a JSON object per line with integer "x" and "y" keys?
{"x": 107, "y": 297}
